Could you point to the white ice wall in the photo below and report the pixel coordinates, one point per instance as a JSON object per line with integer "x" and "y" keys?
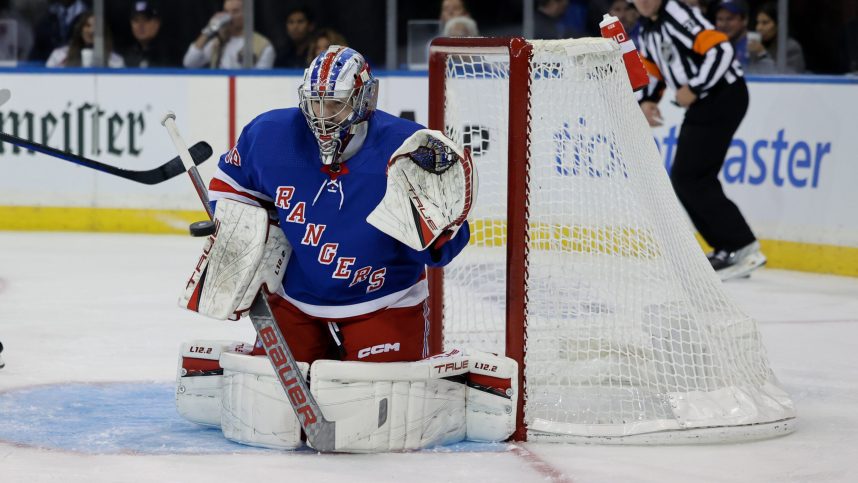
{"x": 791, "y": 168}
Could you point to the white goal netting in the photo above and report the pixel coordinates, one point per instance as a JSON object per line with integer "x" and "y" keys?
{"x": 630, "y": 336}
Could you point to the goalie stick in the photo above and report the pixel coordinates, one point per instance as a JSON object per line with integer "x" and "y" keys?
{"x": 199, "y": 152}
{"x": 169, "y": 121}
{"x": 322, "y": 434}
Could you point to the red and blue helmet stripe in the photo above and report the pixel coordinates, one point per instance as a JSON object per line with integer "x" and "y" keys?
{"x": 328, "y": 67}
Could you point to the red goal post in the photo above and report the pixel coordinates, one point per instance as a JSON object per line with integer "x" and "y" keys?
{"x": 519, "y": 51}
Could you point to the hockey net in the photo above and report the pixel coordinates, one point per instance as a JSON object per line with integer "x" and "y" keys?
{"x": 581, "y": 263}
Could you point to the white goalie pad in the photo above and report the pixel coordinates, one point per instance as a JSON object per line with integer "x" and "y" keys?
{"x": 199, "y": 379}
{"x": 255, "y": 410}
{"x": 244, "y": 254}
{"x": 422, "y": 411}
{"x": 430, "y": 402}
{"x": 492, "y": 397}
{"x": 431, "y": 186}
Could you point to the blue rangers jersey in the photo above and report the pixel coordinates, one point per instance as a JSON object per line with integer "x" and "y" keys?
{"x": 341, "y": 266}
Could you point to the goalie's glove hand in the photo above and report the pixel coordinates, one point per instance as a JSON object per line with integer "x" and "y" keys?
{"x": 431, "y": 186}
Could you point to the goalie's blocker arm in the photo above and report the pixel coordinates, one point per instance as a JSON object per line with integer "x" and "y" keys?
{"x": 431, "y": 187}
{"x": 244, "y": 254}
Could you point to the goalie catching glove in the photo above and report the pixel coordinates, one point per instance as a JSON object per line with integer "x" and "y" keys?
{"x": 245, "y": 253}
{"x": 431, "y": 186}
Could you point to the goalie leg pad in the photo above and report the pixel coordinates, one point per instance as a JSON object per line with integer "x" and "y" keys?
{"x": 424, "y": 410}
{"x": 199, "y": 379}
{"x": 255, "y": 409}
{"x": 243, "y": 254}
{"x": 492, "y": 397}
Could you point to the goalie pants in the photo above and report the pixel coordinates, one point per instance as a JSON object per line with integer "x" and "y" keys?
{"x": 704, "y": 139}
{"x": 389, "y": 335}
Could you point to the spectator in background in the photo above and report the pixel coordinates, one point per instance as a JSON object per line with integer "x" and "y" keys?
{"x": 582, "y": 17}
{"x": 15, "y": 44}
{"x": 767, "y": 26}
{"x": 452, "y": 9}
{"x": 628, "y": 15}
{"x": 323, "y": 39}
{"x": 850, "y": 46}
{"x": 221, "y": 43}
{"x": 546, "y": 21}
{"x": 731, "y": 18}
{"x": 300, "y": 24}
{"x": 80, "y": 52}
{"x": 456, "y": 20}
{"x": 461, "y": 27}
{"x": 55, "y": 28}
{"x": 148, "y": 49}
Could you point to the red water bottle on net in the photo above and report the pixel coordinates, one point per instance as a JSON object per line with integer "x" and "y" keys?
{"x": 612, "y": 28}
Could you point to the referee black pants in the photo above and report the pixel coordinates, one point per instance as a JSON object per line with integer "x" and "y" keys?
{"x": 703, "y": 142}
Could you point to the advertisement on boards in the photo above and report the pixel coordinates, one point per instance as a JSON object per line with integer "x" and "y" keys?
{"x": 113, "y": 119}
{"x": 790, "y": 168}
{"x": 792, "y": 165}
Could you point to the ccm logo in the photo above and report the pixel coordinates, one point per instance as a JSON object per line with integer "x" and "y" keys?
{"x": 378, "y": 349}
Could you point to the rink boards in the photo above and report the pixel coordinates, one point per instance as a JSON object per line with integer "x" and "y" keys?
{"x": 790, "y": 168}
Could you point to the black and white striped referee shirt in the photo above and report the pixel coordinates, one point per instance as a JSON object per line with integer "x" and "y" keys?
{"x": 682, "y": 48}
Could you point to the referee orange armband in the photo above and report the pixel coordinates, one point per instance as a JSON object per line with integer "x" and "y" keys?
{"x": 707, "y": 39}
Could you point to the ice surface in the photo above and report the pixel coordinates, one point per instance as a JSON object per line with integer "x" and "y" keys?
{"x": 90, "y": 321}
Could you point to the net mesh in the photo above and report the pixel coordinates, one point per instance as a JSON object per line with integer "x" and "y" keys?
{"x": 628, "y": 328}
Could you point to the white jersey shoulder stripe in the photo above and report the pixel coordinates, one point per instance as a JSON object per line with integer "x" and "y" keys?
{"x": 221, "y": 175}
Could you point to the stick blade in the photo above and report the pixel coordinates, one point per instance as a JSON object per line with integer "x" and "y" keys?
{"x": 200, "y": 152}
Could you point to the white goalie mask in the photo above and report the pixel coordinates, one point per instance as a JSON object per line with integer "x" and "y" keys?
{"x": 338, "y": 93}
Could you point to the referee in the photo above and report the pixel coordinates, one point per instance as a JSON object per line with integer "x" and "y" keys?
{"x": 682, "y": 50}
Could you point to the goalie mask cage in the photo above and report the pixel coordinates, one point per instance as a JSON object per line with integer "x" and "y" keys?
{"x": 582, "y": 265}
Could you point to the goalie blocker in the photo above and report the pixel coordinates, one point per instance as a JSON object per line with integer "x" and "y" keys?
{"x": 235, "y": 264}
{"x": 436, "y": 401}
